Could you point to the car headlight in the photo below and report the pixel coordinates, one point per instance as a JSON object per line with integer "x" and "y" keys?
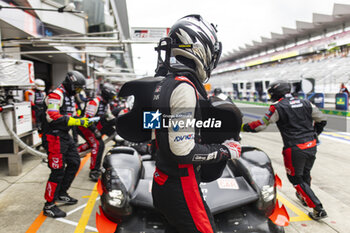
{"x": 268, "y": 193}
{"x": 115, "y": 202}
{"x": 116, "y": 198}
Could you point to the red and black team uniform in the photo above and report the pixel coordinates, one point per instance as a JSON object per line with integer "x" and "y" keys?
{"x": 63, "y": 158}
{"x": 175, "y": 190}
{"x": 295, "y": 120}
{"x": 96, "y": 107}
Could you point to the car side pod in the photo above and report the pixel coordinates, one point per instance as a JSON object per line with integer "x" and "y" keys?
{"x": 103, "y": 224}
{"x": 280, "y": 215}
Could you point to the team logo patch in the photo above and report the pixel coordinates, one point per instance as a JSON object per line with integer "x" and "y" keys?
{"x": 151, "y": 120}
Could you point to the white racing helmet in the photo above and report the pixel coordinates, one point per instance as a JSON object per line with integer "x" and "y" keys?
{"x": 193, "y": 42}
{"x": 39, "y": 84}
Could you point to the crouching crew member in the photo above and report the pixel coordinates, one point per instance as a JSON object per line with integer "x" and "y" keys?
{"x": 97, "y": 107}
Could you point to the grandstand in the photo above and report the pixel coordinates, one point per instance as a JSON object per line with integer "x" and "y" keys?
{"x": 314, "y": 53}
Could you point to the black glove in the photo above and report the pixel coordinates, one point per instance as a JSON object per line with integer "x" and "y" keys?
{"x": 246, "y": 128}
{"x": 319, "y": 126}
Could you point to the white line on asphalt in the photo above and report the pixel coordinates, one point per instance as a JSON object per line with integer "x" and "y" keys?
{"x": 79, "y": 207}
{"x": 344, "y": 133}
{"x": 76, "y": 209}
{"x": 335, "y": 138}
{"x": 76, "y": 224}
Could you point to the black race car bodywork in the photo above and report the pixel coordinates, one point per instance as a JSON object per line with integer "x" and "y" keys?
{"x": 246, "y": 188}
{"x": 242, "y": 197}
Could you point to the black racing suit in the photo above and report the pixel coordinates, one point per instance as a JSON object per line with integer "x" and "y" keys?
{"x": 175, "y": 190}
{"x": 39, "y": 108}
{"x": 294, "y": 118}
{"x": 63, "y": 158}
{"x": 36, "y": 99}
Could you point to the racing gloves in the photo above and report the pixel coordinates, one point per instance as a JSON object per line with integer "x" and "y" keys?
{"x": 319, "y": 126}
{"x": 79, "y": 122}
{"x": 246, "y": 128}
{"x": 233, "y": 147}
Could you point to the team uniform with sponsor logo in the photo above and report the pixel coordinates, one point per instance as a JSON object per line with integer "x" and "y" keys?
{"x": 36, "y": 99}
{"x": 98, "y": 107}
{"x": 94, "y": 108}
{"x": 80, "y": 104}
{"x": 193, "y": 43}
{"x": 63, "y": 157}
{"x": 176, "y": 192}
{"x": 294, "y": 118}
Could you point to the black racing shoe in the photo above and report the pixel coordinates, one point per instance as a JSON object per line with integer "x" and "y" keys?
{"x": 51, "y": 210}
{"x": 94, "y": 175}
{"x": 66, "y": 199}
{"x": 318, "y": 214}
{"x": 301, "y": 199}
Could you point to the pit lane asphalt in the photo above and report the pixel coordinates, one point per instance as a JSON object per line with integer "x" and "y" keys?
{"x": 21, "y": 197}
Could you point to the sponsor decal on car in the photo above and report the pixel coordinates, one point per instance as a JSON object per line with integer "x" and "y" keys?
{"x": 227, "y": 183}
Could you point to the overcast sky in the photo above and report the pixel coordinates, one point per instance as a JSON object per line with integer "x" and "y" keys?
{"x": 239, "y": 21}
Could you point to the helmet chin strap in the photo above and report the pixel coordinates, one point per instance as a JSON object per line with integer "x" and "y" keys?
{"x": 208, "y": 76}
{"x": 166, "y": 63}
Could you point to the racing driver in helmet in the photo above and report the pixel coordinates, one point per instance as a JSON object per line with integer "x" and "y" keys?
{"x": 192, "y": 51}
